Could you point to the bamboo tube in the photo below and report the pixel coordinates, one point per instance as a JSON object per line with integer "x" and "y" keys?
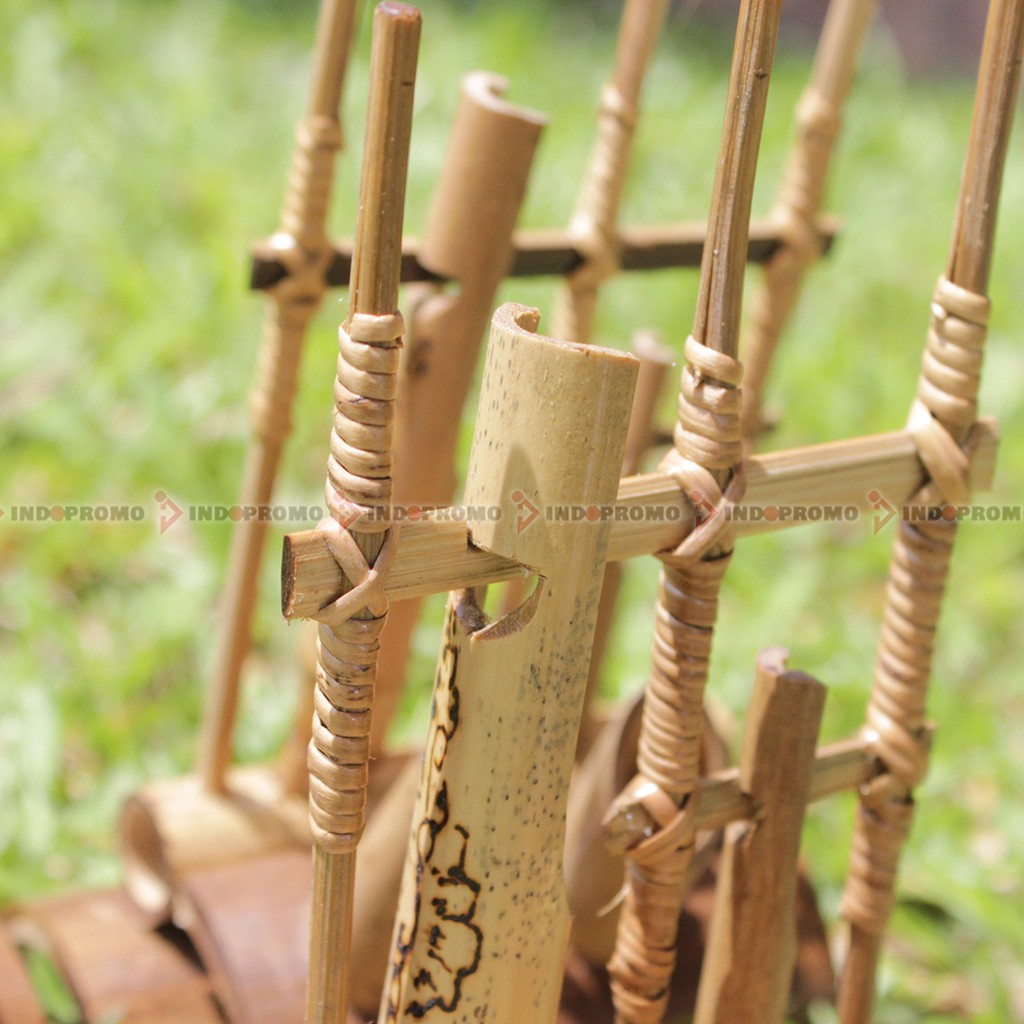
{"x": 744, "y": 977}
{"x": 482, "y": 922}
{"x": 593, "y": 225}
{"x": 549, "y": 252}
{"x": 708, "y": 447}
{"x": 359, "y": 494}
{"x": 801, "y": 194}
{"x": 942, "y": 420}
{"x": 468, "y": 239}
{"x": 784, "y": 490}
{"x": 301, "y": 245}
{"x": 655, "y": 360}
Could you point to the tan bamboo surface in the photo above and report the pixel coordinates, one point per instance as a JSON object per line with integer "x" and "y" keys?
{"x": 801, "y": 194}
{"x": 114, "y": 965}
{"x": 707, "y": 450}
{"x": 641, "y": 434}
{"x": 379, "y": 864}
{"x": 482, "y": 923}
{"x": 18, "y": 1003}
{"x": 467, "y": 240}
{"x": 550, "y": 252}
{"x": 942, "y": 420}
{"x": 434, "y": 556}
{"x": 359, "y": 495}
{"x": 301, "y": 245}
{"x": 745, "y": 977}
{"x": 594, "y": 222}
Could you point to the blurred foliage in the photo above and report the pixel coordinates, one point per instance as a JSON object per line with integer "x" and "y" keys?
{"x": 144, "y": 144}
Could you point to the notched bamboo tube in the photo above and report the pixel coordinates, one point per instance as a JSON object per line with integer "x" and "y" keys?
{"x": 801, "y": 195}
{"x": 745, "y": 977}
{"x": 482, "y": 923}
{"x": 301, "y": 244}
{"x": 468, "y": 240}
{"x": 655, "y": 360}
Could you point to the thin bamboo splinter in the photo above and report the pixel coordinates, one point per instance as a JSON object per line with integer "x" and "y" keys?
{"x": 943, "y": 421}
{"x": 359, "y": 492}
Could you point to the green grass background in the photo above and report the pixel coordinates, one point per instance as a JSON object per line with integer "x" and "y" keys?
{"x": 143, "y": 144}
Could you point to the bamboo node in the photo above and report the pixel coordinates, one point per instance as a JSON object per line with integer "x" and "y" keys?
{"x": 713, "y": 508}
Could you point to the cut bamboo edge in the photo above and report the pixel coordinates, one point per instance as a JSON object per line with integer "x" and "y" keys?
{"x": 544, "y": 252}
{"x": 783, "y": 490}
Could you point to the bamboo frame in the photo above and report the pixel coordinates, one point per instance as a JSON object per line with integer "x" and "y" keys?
{"x": 593, "y": 225}
{"x": 551, "y": 252}
{"x": 800, "y": 198}
{"x": 942, "y": 419}
{"x": 301, "y": 245}
{"x": 468, "y": 240}
{"x": 436, "y": 555}
{"x": 358, "y": 480}
{"x": 707, "y": 450}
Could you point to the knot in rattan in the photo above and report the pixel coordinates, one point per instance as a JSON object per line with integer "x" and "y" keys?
{"x": 368, "y": 582}
{"x": 707, "y": 437}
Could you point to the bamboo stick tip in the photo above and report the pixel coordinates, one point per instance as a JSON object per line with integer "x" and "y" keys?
{"x": 393, "y": 9}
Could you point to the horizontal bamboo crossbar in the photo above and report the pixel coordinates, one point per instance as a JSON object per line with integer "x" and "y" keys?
{"x": 551, "y": 252}
{"x": 435, "y": 555}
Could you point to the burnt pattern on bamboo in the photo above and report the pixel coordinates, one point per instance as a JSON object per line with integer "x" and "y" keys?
{"x": 358, "y": 495}
{"x": 897, "y": 729}
{"x": 454, "y": 941}
{"x": 707, "y": 438}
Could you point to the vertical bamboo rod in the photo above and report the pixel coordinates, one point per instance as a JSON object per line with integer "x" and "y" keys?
{"x": 744, "y": 977}
{"x": 707, "y": 448}
{"x": 304, "y": 247}
{"x": 359, "y": 492}
{"x": 468, "y": 239}
{"x": 942, "y": 420}
{"x": 593, "y": 226}
{"x": 801, "y": 195}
